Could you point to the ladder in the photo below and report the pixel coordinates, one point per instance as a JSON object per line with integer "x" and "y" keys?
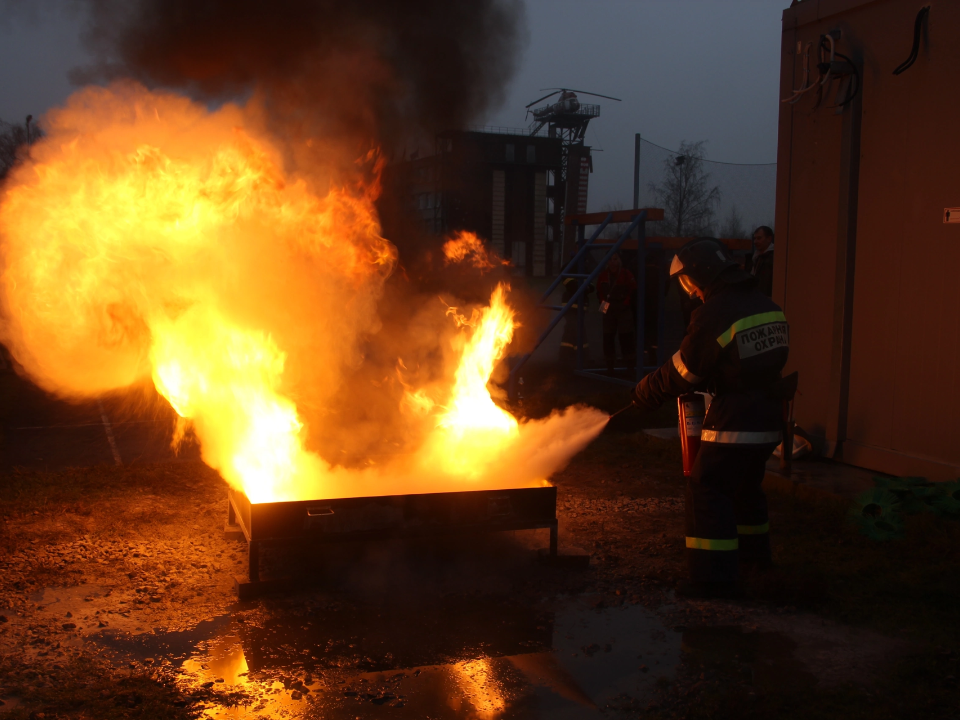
{"x": 575, "y": 270}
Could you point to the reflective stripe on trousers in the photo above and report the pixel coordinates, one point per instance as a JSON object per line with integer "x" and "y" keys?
{"x": 740, "y": 437}
{"x": 706, "y": 544}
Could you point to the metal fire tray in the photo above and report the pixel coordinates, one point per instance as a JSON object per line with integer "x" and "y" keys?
{"x": 321, "y": 522}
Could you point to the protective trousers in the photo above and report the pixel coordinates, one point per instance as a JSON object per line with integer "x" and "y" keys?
{"x": 619, "y": 321}
{"x": 570, "y": 339}
{"x": 726, "y": 508}
{"x": 627, "y": 348}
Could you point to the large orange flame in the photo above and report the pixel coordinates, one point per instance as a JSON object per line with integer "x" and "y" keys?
{"x": 147, "y": 236}
{"x": 465, "y": 246}
{"x": 473, "y": 426}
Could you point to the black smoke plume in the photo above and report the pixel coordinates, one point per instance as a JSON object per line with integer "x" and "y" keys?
{"x": 334, "y": 80}
{"x": 362, "y": 72}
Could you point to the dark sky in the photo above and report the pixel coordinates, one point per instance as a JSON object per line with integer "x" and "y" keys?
{"x": 685, "y": 69}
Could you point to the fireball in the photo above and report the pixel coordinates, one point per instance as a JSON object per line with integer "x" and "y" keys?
{"x": 148, "y": 237}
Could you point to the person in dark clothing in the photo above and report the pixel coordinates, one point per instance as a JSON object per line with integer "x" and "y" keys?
{"x": 568, "y": 340}
{"x": 616, "y": 287}
{"x": 735, "y": 347}
{"x": 760, "y": 264}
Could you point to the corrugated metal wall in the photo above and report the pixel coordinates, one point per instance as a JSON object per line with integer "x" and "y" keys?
{"x": 878, "y": 348}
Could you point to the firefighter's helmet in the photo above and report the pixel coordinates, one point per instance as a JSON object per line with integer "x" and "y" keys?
{"x": 703, "y": 261}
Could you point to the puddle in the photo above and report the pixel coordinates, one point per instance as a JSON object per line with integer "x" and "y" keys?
{"x": 478, "y": 660}
{"x": 463, "y": 659}
{"x": 73, "y": 607}
{"x": 766, "y": 658}
{"x": 8, "y": 703}
{"x": 170, "y": 646}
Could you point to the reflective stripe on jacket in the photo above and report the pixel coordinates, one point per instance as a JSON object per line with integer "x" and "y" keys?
{"x": 736, "y": 347}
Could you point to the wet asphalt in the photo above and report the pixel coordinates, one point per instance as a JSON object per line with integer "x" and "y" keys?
{"x": 331, "y": 653}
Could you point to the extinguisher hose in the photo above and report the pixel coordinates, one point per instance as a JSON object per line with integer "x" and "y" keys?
{"x": 624, "y": 409}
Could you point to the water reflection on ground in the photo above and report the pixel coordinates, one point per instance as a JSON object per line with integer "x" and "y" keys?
{"x": 480, "y": 660}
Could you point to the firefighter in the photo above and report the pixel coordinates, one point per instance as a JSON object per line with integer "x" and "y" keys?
{"x": 735, "y": 347}
{"x": 616, "y": 287}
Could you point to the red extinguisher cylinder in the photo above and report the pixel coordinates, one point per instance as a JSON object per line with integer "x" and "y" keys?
{"x": 691, "y": 409}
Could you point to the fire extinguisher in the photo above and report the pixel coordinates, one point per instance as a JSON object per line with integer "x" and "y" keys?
{"x": 691, "y": 409}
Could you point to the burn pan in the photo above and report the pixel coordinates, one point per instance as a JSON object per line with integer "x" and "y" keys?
{"x": 387, "y": 517}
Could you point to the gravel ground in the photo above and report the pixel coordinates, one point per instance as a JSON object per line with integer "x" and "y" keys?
{"x": 140, "y": 551}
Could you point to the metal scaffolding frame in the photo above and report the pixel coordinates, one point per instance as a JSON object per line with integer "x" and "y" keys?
{"x": 576, "y": 269}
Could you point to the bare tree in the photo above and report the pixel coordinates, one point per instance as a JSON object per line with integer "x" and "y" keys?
{"x": 685, "y": 194}
{"x": 14, "y": 138}
{"x": 732, "y": 226}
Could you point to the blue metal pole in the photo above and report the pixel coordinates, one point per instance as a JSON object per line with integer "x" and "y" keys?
{"x": 578, "y": 295}
{"x": 641, "y": 295}
{"x": 581, "y": 310}
{"x": 576, "y": 258}
{"x": 661, "y": 306}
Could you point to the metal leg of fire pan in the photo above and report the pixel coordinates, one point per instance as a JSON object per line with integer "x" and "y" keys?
{"x": 232, "y": 529}
{"x": 551, "y": 556}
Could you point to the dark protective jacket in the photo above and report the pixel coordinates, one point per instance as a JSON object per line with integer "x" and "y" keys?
{"x": 570, "y": 287}
{"x": 736, "y": 347}
{"x": 762, "y": 269}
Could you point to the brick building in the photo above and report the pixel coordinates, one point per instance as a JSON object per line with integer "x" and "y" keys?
{"x": 502, "y": 184}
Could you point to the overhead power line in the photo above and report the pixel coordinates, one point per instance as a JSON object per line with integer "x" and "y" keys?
{"x": 718, "y": 162}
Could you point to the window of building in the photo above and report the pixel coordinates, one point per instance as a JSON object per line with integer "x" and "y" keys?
{"x": 509, "y": 154}
{"x": 531, "y": 153}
